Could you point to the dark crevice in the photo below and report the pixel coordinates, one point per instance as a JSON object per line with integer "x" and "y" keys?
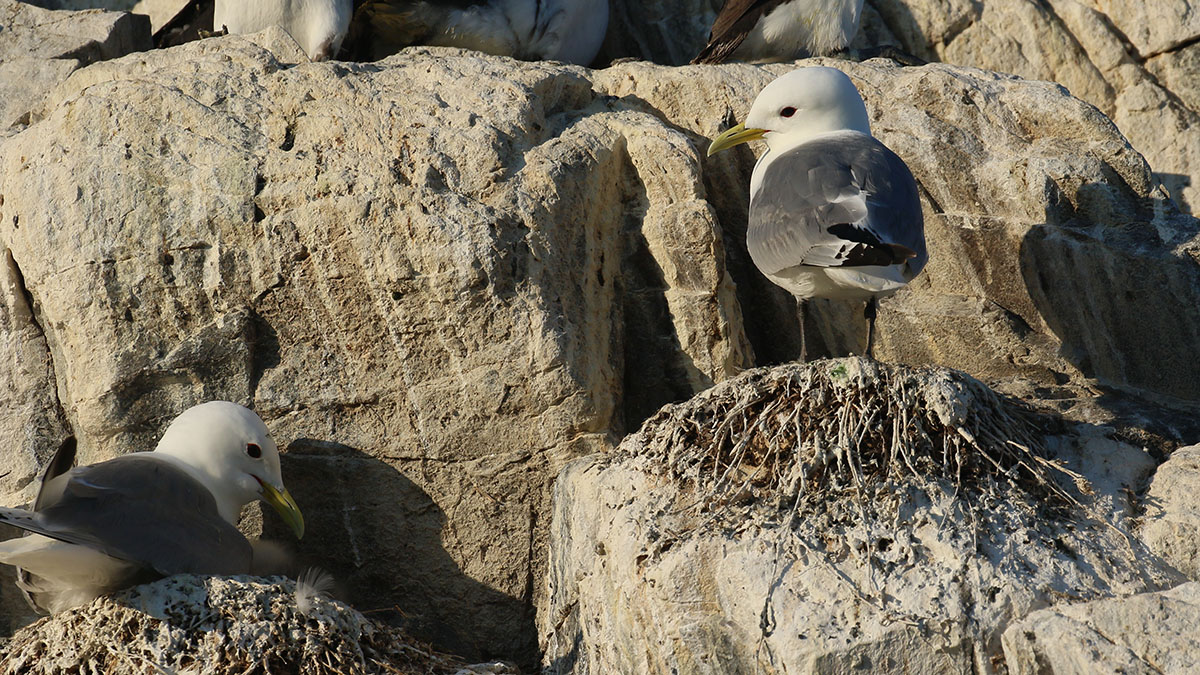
{"x": 32, "y": 310}
{"x": 1178, "y": 46}
{"x": 289, "y": 136}
{"x": 264, "y": 349}
{"x": 534, "y": 657}
{"x": 937, "y": 207}
{"x": 654, "y": 363}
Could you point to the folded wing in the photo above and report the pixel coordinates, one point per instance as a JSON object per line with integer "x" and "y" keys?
{"x": 844, "y": 200}
{"x": 141, "y": 510}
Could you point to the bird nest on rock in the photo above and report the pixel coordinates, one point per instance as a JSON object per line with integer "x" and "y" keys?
{"x": 792, "y": 439}
{"x": 202, "y": 625}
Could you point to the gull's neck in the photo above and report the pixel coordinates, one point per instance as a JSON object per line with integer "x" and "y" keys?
{"x": 780, "y": 145}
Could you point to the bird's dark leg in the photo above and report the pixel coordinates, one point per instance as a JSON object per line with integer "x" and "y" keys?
{"x": 801, "y": 305}
{"x": 870, "y": 312}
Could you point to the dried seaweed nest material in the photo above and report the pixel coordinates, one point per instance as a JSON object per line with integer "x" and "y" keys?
{"x": 789, "y": 438}
{"x": 202, "y": 625}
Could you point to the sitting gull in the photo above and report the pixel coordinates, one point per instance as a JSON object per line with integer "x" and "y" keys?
{"x": 780, "y": 30}
{"x": 558, "y": 30}
{"x": 319, "y": 26}
{"x": 833, "y": 212}
{"x": 145, "y": 515}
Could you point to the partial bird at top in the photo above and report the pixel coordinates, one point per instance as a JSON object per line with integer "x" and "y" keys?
{"x": 780, "y": 30}
{"x": 319, "y": 26}
{"x": 833, "y": 212}
{"x": 557, "y": 30}
{"x": 146, "y": 515}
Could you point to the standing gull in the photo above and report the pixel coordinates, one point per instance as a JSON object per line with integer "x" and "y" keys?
{"x": 833, "y": 212}
{"x": 319, "y": 26}
{"x": 780, "y": 30}
{"x": 145, "y": 515}
{"x": 557, "y": 30}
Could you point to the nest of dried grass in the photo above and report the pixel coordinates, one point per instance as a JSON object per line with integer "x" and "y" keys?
{"x": 793, "y": 439}
{"x": 202, "y": 625}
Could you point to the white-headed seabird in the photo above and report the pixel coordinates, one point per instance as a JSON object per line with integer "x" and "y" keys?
{"x": 145, "y": 515}
{"x": 833, "y": 212}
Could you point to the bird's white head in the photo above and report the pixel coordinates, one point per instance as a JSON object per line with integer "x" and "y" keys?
{"x": 228, "y": 449}
{"x": 798, "y": 106}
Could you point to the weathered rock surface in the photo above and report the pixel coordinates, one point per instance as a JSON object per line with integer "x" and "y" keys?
{"x": 218, "y": 625}
{"x": 441, "y": 277}
{"x": 1114, "y": 55}
{"x": 1171, "y": 524}
{"x": 1145, "y": 633}
{"x": 824, "y": 518}
{"x": 1043, "y": 225}
{"x": 428, "y": 297}
{"x": 1138, "y": 62}
{"x": 39, "y": 48}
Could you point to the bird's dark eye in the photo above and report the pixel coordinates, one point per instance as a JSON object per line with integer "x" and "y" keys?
{"x": 253, "y": 450}
{"x": 787, "y": 112}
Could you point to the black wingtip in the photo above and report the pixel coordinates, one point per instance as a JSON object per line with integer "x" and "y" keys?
{"x": 869, "y": 249}
{"x": 901, "y": 253}
{"x": 63, "y": 459}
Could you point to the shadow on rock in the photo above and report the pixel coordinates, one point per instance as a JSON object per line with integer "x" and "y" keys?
{"x": 380, "y": 535}
{"x": 1111, "y": 284}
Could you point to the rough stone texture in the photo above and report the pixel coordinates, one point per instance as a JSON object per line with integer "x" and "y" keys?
{"x": 39, "y": 48}
{"x": 1171, "y": 524}
{"x": 441, "y": 277}
{"x": 824, "y": 518}
{"x": 429, "y": 298}
{"x": 1135, "y": 61}
{"x": 1147, "y": 633}
{"x": 218, "y": 625}
{"x": 1025, "y": 188}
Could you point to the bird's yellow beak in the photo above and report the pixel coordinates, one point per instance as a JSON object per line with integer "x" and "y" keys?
{"x": 285, "y": 506}
{"x": 734, "y": 136}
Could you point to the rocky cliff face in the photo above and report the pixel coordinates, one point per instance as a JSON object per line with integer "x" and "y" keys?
{"x": 844, "y": 515}
{"x": 1135, "y": 61}
{"x": 443, "y": 277}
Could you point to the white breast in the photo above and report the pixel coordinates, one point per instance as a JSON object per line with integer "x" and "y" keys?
{"x": 319, "y": 26}
{"x": 815, "y": 27}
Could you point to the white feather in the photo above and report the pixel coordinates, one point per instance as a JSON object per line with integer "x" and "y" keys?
{"x": 313, "y": 583}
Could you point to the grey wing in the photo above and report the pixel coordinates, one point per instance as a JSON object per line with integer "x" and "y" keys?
{"x": 139, "y": 509}
{"x": 846, "y": 201}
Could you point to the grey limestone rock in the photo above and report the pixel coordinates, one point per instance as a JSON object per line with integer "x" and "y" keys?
{"x": 838, "y": 516}
{"x": 39, "y": 48}
{"x": 1171, "y": 523}
{"x": 1144, "y": 633}
{"x": 442, "y": 277}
